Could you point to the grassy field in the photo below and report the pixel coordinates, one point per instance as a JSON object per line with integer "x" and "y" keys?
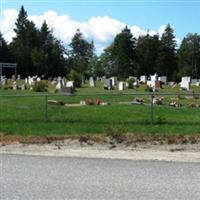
{"x": 26, "y": 115}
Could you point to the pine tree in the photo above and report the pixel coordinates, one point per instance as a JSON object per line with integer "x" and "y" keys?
{"x": 189, "y": 56}
{"x": 19, "y": 45}
{"x": 146, "y": 53}
{"x": 5, "y": 54}
{"x": 123, "y": 53}
{"x": 166, "y": 62}
{"x": 81, "y": 53}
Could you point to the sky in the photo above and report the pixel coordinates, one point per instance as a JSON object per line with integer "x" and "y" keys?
{"x": 101, "y": 20}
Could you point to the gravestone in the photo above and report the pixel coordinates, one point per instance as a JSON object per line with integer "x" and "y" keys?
{"x": 122, "y": 86}
{"x": 13, "y": 78}
{"x": 114, "y": 80}
{"x": 67, "y": 90}
{"x": 14, "y": 85}
{"x": 18, "y": 77}
{"x": 163, "y": 79}
{"x": 91, "y": 82}
{"x": 70, "y": 84}
{"x": 185, "y": 82}
{"x": 143, "y": 79}
{"x": 23, "y": 87}
{"x": 107, "y": 85}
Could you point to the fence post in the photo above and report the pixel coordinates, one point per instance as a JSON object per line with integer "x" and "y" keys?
{"x": 152, "y": 96}
{"x": 46, "y": 108}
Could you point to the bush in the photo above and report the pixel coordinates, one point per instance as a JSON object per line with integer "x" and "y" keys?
{"x": 130, "y": 83}
{"x": 76, "y": 77}
{"x": 117, "y": 133}
{"x": 40, "y": 86}
{"x": 148, "y": 89}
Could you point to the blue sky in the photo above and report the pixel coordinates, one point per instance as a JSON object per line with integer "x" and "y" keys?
{"x": 182, "y": 15}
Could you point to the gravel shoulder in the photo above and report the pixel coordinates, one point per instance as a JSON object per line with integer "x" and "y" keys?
{"x": 140, "y": 151}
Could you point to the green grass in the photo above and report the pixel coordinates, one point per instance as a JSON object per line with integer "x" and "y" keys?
{"x": 26, "y": 115}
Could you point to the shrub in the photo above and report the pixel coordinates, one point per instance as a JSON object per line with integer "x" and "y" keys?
{"x": 76, "y": 77}
{"x": 148, "y": 89}
{"x": 130, "y": 83}
{"x": 40, "y": 86}
{"x": 117, "y": 134}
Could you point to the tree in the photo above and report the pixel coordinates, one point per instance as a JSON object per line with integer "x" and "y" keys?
{"x": 20, "y": 45}
{"x": 5, "y": 54}
{"x": 81, "y": 53}
{"x": 166, "y": 62}
{"x": 106, "y": 62}
{"x": 189, "y": 56}
{"x": 146, "y": 54}
{"x": 123, "y": 52}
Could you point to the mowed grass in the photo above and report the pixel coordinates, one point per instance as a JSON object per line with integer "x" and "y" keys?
{"x": 26, "y": 115}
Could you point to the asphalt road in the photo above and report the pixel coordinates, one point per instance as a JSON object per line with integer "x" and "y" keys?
{"x": 35, "y": 177}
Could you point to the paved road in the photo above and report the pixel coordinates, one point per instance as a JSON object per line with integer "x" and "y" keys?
{"x": 35, "y": 177}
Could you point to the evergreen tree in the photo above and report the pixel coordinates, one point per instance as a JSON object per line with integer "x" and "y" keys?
{"x": 146, "y": 54}
{"x": 5, "y": 54}
{"x": 19, "y": 45}
{"x": 81, "y": 53}
{"x": 107, "y": 64}
{"x": 166, "y": 62}
{"x": 123, "y": 53}
{"x": 189, "y": 56}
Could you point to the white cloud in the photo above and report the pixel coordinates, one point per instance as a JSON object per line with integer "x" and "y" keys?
{"x": 8, "y": 23}
{"x": 101, "y": 29}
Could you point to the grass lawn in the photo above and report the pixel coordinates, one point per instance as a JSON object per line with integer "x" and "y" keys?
{"x": 26, "y": 115}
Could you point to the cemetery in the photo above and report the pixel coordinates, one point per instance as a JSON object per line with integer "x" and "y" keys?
{"x": 54, "y": 106}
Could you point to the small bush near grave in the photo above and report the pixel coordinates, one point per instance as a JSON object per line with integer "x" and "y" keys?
{"x": 148, "y": 89}
{"x": 40, "y": 86}
{"x": 130, "y": 83}
{"x": 76, "y": 77}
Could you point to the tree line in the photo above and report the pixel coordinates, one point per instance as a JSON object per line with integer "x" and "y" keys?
{"x": 38, "y": 52}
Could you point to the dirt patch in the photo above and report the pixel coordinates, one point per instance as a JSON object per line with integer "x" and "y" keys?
{"x": 111, "y": 138}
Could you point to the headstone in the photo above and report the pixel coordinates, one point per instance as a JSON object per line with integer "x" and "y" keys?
{"x": 38, "y": 79}
{"x": 143, "y": 79}
{"x": 163, "y": 79}
{"x": 67, "y": 90}
{"x": 114, "y": 80}
{"x": 18, "y": 77}
{"x": 23, "y": 87}
{"x": 70, "y": 84}
{"x": 13, "y": 78}
{"x": 91, "y": 82}
{"x": 108, "y": 84}
{"x": 185, "y": 82}
{"x": 14, "y": 85}
{"x": 122, "y": 86}
{"x": 152, "y": 82}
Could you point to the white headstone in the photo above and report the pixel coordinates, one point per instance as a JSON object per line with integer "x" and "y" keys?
{"x": 122, "y": 86}
{"x": 163, "y": 79}
{"x": 114, "y": 80}
{"x": 70, "y": 84}
{"x": 91, "y": 82}
{"x": 185, "y": 82}
{"x": 143, "y": 79}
